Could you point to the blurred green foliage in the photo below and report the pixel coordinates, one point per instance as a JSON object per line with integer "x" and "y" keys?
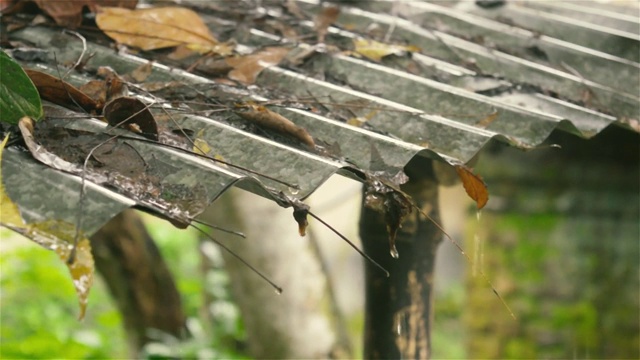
{"x": 39, "y": 306}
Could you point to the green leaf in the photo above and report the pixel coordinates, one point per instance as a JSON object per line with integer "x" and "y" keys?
{"x": 18, "y": 96}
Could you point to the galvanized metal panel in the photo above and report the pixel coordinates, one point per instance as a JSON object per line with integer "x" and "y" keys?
{"x": 579, "y": 85}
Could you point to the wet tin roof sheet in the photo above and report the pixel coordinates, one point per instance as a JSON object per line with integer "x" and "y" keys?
{"x": 511, "y": 73}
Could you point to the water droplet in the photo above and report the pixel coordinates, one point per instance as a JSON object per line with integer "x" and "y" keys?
{"x": 478, "y": 214}
{"x": 398, "y": 328}
{"x": 278, "y": 291}
{"x": 293, "y": 191}
{"x": 476, "y": 255}
{"x": 394, "y": 252}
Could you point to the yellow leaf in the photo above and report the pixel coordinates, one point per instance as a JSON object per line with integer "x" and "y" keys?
{"x": 55, "y": 235}
{"x": 155, "y": 28}
{"x": 200, "y": 146}
{"x": 9, "y": 212}
{"x": 376, "y": 50}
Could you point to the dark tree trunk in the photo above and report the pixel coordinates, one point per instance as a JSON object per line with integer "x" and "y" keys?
{"x": 138, "y": 279}
{"x": 399, "y": 309}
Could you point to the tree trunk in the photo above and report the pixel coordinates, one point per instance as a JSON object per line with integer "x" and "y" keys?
{"x": 291, "y": 325}
{"x": 399, "y": 309}
{"x": 562, "y": 247}
{"x": 138, "y": 279}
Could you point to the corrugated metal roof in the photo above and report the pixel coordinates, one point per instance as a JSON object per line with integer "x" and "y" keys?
{"x": 527, "y": 67}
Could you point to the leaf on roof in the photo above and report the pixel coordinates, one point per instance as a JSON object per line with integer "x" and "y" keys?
{"x": 266, "y": 118}
{"x": 247, "y": 68}
{"x": 61, "y": 92}
{"x": 157, "y": 28}
{"x": 473, "y": 185}
{"x": 487, "y": 120}
{"x": 324, "y": 19}
{"x": 132, "y": 114}
{"x": 18, "y": 95}
{"x": 69, "y": 13}
{"x": 200, "y": 145}
{"x": 375, "y": 50}
{"x": 55, "y": 235}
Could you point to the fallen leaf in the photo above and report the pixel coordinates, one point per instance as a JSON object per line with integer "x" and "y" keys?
{"x": 142, "y": 72}
{"x": 247, "y": 68}
{"x": 375, "y": 50}
{"x": 8, "y": 209}
{"x": 132, "y": 114}
{"x": 55, "y": 235}
{"x": 155, "y": 28}
{"x": 324, "y": 19}
{"x": 487, "y": 120}
{"x": 264, "y": 117}
{"x": 200, "y": 146}
{"x": 474, "y": 186}
{"x": 69, "y": 13}
{"x": 18, "y": 95}
{"x": 60, "y": 92}
{"x": 97, "y": 90}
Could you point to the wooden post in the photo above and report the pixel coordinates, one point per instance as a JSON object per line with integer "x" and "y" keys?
{"x": 399, "y": 309}
{"x": 138, "y": 279}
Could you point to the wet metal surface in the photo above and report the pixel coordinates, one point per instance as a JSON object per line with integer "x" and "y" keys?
{"x": 511, "y": 74}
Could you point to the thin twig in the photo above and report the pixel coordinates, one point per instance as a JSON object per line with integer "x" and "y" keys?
{"x": 219, "y": 228}
{"x": 278, "y": 289}
{"x": 350, "y": 243}
{"x": 84, "y": 49}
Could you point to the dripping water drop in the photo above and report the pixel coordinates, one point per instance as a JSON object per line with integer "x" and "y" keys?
{"x": 478, "y": 214}
{"x": 394, "y": 252}
{"x": 293, "y": 190}
{"x": 279, "y": 291}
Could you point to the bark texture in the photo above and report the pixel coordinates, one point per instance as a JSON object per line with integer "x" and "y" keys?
{"x": 291, "y": 325}
{"x": 399, "y": 309}
{"x": 561, "y": 243}
{"x": 138, "y": 279}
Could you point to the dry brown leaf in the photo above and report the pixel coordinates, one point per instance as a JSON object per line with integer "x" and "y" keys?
{"x": 97, "y": 90}
{"x": 474, "y": 186}
{"x": 155, "y": 28}
{"x": 69, "y": 13}
{"x": 262, "y": 116}
{"x": 246, "y": 68}
{"x": 59, "y": 92}
{"x": 324, "y": 19}
{"x": 142, "y": 72}
{"x": 487, "y": 120}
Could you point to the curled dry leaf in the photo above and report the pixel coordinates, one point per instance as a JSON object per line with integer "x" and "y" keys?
{"x": 132, "y": 114}
{"x": 69, "y": 13}
{"x": 264, "y": 117}
{"x": 247, "y": 68}
{"x": 142, "y": 72}
{"x": 487, "y": 120}
{"x": 473, "y": 185}
{"x": 156, "y": 28}
{"x": 300, "y": 212}
{"x": 60, "y": 92}
{"x": 324, "y": 19}
{"x": 375, "y": 50}
{"x": 55, "y": 235}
